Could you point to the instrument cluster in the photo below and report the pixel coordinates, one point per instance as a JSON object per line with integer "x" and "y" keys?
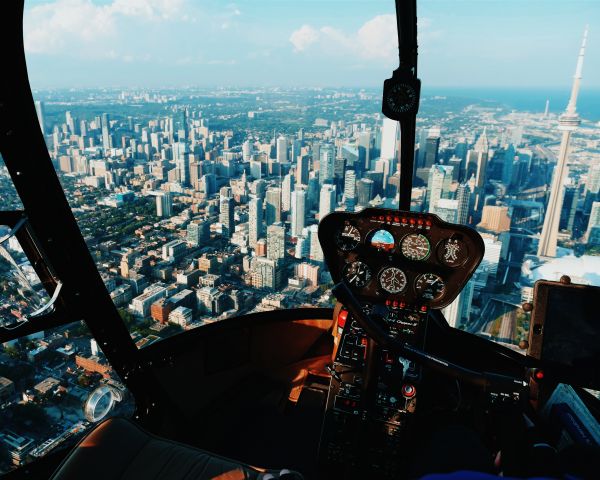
{"x": 402, "y": 259}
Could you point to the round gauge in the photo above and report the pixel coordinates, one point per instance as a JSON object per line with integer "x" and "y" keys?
{"x": 430, "y": 286}
{"x": 348, "y": 238}
{"x": 415, "y": 246}
{"x": 392, "y": 280}
{"x": 453, "y": 252}
{"x": 401, "y": 97}
{"x": 382, "y": 240}
{"x": 357, "y": 274}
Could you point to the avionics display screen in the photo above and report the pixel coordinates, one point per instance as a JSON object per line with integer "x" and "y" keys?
{"x": 571, "y": 332}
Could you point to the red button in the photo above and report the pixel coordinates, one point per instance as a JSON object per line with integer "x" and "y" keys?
{"x": 412, "y": 221}
{"x": 342, "y": 317}
{"x": 403, "y": 220}
{"x": 428, "y": 223}
{"x": 388, "y": 218}
{"x": 396, "y": 219}
{"x": 420, "y": 222}
{"x": 539, "y": 375}
{"x": 408, "y": 390}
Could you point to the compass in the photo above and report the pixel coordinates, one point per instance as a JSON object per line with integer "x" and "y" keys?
{"x": 400, "y": 96}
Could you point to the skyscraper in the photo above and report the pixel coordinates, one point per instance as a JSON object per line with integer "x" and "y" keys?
{"x": 463, "y": 195}
{"x": 364, "y": 191}
{"x": 389, "y": 139}
{"x": 302, "y": 169}
{"x": 105, "y": 133}
{"x": 287, "y": 186}
{"x": 568, "y": 122}
{"x": 273, "y": 205}
{"x": 326, "y": 200}
{"x": 350, "y": 190}
{"x": 39, "y": 110}
{"x": 326, "y": 164}
{"x": 255, "y": 220}
{"x": 298, "y": 210}
{"x": 182, "y": 163}
{"x": 282, "y": 147}
{"x": 226, "y": 211}
{"x": 438, "y": 184}
{"x": 276, "y": 241}
{"x": 164, "y": 204}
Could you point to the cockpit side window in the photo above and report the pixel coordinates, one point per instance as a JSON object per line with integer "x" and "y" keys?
{"x": 9, "y": 198}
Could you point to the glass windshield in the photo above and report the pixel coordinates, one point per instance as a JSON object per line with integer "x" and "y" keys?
{"x": 200, "y": 145}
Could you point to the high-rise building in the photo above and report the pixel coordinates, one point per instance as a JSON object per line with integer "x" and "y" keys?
{"x": 273, "y": 205}
{"x": 246, "y": 151}
{"x": 594, "y": 220}
{"x": 389, "y": 139}
{"x": 316, "y": 253}
{"x": 198, "y": 233}
{"x": 432, "y": 150}
{"x": 364, "y": 191}
{"x": 287, "y": 186}
{"x": 446, "y": 209}
{"x": 463, "y": 195}
{"x": 495, "y": 218}
{"x": 326, "y": 200}
{"x": 302, "y": 169}
{"x": 568, "y": 123}
{"x": 106, "y": 143}
{"x": 39, "y": 110}
{"x": 164, "y": 204}
{"x": 182, "y": 164}
{"x": 326, "y": 164}
{"x": 569, "y": 208}
{"x": 276, "y": 241}
{"x": 282, "y": 150}
{"x": 298, "y": 208}
{"x": 255, "y": 220}
{"x": 350, "y": 190}
{"x": 438, "y": 184}
{"x": 226, "y": 212}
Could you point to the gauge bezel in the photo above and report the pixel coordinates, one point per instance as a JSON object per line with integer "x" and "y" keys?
{"x": 389, "y": 267}
{"x": 366, "y": 284}
{"x": 339, "y": 233}
{"x": 420, "y": 295}
{"x": 415, "y": 234}
{"x": 371, "y": 234}
{"x": 440, "y": 256}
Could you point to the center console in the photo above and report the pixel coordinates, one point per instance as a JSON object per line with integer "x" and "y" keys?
{"x": 399, "y": 265}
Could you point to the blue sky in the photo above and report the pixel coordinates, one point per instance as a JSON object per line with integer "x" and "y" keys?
{"x": 154, "y": 43}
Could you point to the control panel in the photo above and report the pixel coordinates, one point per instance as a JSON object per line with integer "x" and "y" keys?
{"x": 402, "y": 258}
{"x": 372, "y": 395}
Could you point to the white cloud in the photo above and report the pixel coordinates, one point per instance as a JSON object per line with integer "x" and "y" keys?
{"x": 375, "y": 39}
{"x": 304, "y": 37}
{"x": 52, "y": 27}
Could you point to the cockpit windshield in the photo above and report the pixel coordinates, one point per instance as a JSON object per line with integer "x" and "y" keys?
{"x": 200, "y": 144}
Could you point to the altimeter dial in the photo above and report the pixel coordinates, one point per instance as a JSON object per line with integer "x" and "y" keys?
{"x": 392, "y": 280}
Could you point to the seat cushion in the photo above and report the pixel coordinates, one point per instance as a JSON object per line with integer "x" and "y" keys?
{"x": 119, "y": 449}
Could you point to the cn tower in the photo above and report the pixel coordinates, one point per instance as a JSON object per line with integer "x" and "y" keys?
{"x": 568, "y": 123}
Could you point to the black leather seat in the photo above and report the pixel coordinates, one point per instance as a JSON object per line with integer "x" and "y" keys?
{"x": 119, "y": 449}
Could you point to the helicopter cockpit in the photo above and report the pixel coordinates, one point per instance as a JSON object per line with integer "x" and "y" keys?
{"x": 143, "y": 288}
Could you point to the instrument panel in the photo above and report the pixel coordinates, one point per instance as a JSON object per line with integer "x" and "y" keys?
{"x": 403, "y": 259}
